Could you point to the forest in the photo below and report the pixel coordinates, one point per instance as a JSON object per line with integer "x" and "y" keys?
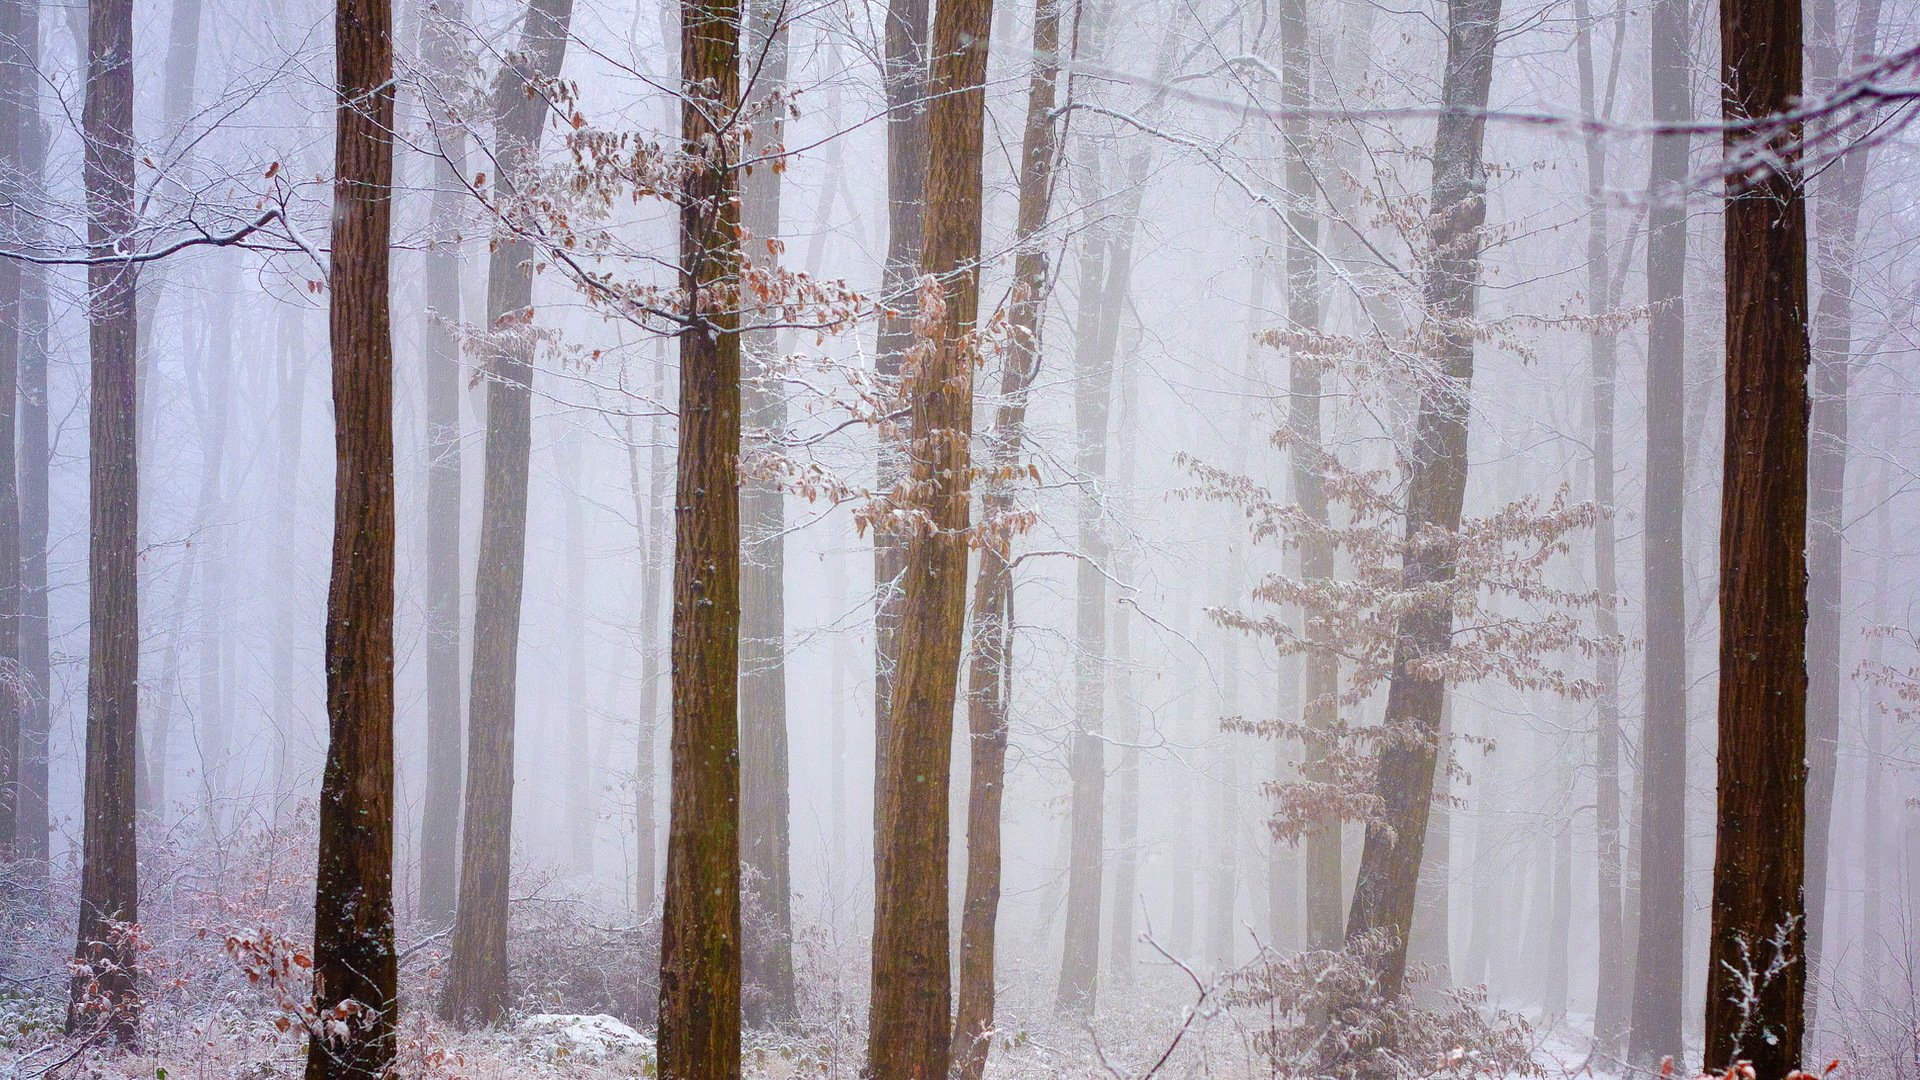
{"x": 947, "y": 539}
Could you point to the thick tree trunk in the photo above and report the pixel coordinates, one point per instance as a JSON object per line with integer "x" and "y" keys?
{"x": 911, "y": 1024}
{"x": 1658, "y": 990}
{"x": 1611, "y": 993}
{"x": 354, "y": 959}
{"x": 442, "y": 380}
{"x": 477, "y": 988}
{"x": 764, "y": 808}
{"x": 1390, "y": 860}
{"x": 907, "y": 163}
{"x": 990, "y": 674}
{"x": 1759, "y": 855}
{"x": 700, "y": 936}
{"x": 109, "y": 885}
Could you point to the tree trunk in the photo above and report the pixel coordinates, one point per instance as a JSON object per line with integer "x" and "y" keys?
{"x": 764, "y": 810}
{"x": 443, "y": 378}
{"x": 354, "y": 959}
{"x": 1560, "y": 928}
{"x": 109, "y": 876}
{"x": 1432, "y": 943}
{"x": 291, "y": 377}
{"x": 1658, "y": 990}
{"x": 1322, "y": 663}
{"x": 477, "y": 988}
{"x": 1759, "y": 856}
{"x": 699, "y": 1036}
{"x": 578, "y": 822}
{"x": 1389, "y": 872}
{"x": 907, "y": 163}
{"x": 33, "y": 840}
{"x": 649, "y": 516}
{"x": 1836, "y": 208}
{"x": 15, "y": 81}
{"x": 990, "y": 674}
{"x": 911, "y": 1025}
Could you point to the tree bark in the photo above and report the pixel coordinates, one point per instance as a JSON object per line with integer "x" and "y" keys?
{"x": 1759, "y": 858}
{"x": 990, "y": 672}
{"x": 1390, "y": 859}
{"x": 765, "y": 831}
{"x": 910, "y": 1018}
{"x": 1658, "y": 991}
{"x": 477, "y": 988}
{"x": 354, "y": 959}
{"x": 109, "y": 876}
{"x": 700, "y": 962}
{"x": 442, "y": 379}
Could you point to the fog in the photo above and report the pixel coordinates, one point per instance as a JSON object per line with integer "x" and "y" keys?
{"x": 1218, "y": 411}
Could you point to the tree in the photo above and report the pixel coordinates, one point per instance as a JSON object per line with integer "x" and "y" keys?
{"x": 764, "y": 810}
{"x": 15, "y": 82}
{"x": 1389, "y": 871}
{"x": 1611, "y": 994}
{"x": 104, "y": 987}
{"x": 33, "y": 833}
{"x": 356, "y": 971}
{"x": 909, "y": 1012}
{"x": 1322, "y": 682}
{"x": 700, "y": 927}
{"x": 477, "y": 987}
{"x": 905, "y": 70}
{"x": 1657, "y": 1007}
{"x": 442, "y": 380}
{"x": 990, "y": 671}
{"x": 1756, "y": 974}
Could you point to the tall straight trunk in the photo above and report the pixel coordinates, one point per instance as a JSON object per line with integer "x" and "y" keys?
{"x": 700, "y": 962}
{"x": 907, "y": 164}
{"x": 650, "y": 515}
{"x": 442, "y": 379}
{"x": 109, "y": 885}
{"x": 15, "y": 81}
{"x": 911, "y": 1023}
{"x": 579, "y": 819}
{"x": 1101, "y": 280}
{"x": 1560, "y": 927}
{"x": 291, "y": 378}
{"x": 990, "y": 672}
{"x": 765, "y": 830}
{"x": 477, "y": 987}
{"x": 1389, "y": 872}
{"x": 1836, "y": 208}
{"x": 1223, "y": 877}
{"x": 33, "y": 840}
{"x": 1610, "y": 995}
{"x": 1760, "y": 841}
{"x": 1126, "y": 811}
{"x": 1657, "y": 990}
{"x": 1322, "y": 666}
{"x": 354, "y": 958}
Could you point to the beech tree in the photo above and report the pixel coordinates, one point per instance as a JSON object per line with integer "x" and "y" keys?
{"x": 909, "y": 1013}
{"x": 700, "y": 927}
{"x": 104, "y": 983}
{"x": 355, "y": 967}
{"x": 477, "y": 988}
